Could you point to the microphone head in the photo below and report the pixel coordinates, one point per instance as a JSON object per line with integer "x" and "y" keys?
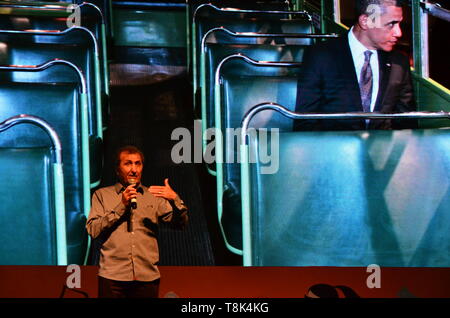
{"x": 133, "y": 182}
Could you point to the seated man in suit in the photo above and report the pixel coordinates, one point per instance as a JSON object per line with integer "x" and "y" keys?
{"x": 359, "y": 72}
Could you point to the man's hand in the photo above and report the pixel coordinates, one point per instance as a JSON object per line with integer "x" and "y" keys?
{"x": 165, "y": 191}
{"x": 129, "y": 193}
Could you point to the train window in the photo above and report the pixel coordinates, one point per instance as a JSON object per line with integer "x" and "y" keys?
{"x": 344, "y": 12}
{"x": 438, "y": 30}
{"x": 405, "y": 44}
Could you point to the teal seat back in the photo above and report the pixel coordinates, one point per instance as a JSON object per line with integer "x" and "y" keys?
{"x": 35, "y": 54}
{"x": 75, "y": 47}
{"x": 249, "y": 22}
{"x": 352, "y": 199}
{"x": 59, "y": 105}
{"x": 240, "y": 94}
{"x": 259, "y": 25}
{"x": 256, "y": 25}
{"x": 27, "y": 231}
{"x": 216, "y": 52}
{"x": 24, "y": 50}
{"x": 22, "y": 18}
{"x": 206, "y": 13}
{"x": 13, "y": 18}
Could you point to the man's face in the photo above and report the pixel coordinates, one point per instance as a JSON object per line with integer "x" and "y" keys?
{"x": 130, "y": 167}
{"x": 384, "y": 31}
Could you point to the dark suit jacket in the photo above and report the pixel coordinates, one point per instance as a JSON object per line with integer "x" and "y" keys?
{"x": 328, "y": 83}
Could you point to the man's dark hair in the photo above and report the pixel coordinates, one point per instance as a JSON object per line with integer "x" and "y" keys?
{"x": 362, "y": 5}
{"x": 130, "y": 150}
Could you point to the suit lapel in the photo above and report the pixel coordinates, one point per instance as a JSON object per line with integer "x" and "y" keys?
{"x": 384, "y": 73}
{"x": 351, "y": 77}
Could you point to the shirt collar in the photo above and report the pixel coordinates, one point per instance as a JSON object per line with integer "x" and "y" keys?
{"x": 356, "y": 46}
{"x": 119, "y": 188}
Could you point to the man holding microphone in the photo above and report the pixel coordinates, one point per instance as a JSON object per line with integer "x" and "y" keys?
{"x": 124, "y": 219}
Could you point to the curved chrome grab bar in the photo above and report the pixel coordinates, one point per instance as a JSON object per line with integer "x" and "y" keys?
{"x": 89, "y": 4}
{"x": 56, "y": 33}
{"x": 305, "y": 13}
{"x": 44, "y": 66}
{"x": 355, "y": 115}
{"x": 37, "y": 121}
{"x": 251, "y": 61}
{"x": 435, "y": 10}
{"x": 266, "y": 35}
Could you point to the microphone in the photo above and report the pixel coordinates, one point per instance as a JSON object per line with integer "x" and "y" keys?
{"x": 132, "y": 181}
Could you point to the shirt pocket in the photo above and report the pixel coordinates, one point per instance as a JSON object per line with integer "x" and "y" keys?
{"x": 150, "y": 212}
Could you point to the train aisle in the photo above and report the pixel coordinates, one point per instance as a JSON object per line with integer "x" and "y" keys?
{"x": 146, "y": 104}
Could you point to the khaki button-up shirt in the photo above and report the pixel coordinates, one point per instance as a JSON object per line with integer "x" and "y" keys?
{"x": 130, "y": 249}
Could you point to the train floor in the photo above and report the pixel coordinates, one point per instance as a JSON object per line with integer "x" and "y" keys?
{"x": 144, "y": 115}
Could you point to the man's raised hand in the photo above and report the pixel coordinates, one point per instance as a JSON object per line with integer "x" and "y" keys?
{"x": 164, "y": 191}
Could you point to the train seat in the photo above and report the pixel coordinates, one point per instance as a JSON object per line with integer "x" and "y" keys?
{"x": 29, "y": 49}
{"x": 261, "y": 25}
{"x": 203, "y": 8}
{"x": 27, "y": 230}
{"x": 15, "y": 15}
{"x": 240, "y": 90}
{"x": 360, "y": 198}
{"x": 216, "y": 52}
{"x": 59, "y": 104}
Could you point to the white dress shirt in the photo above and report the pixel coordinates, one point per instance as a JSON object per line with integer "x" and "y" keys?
{"x": 357, "y": 49}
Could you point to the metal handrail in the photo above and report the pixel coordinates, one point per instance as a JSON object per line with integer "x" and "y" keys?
{"x": 99, "y": 11}
{"x": 37, "y": 121}
{"x": 237, "y": 10}
{"x": 96, "y": 57}
{"x": 265, "y": 35}
{"x": 44, "y": 66}
{"x": 435, "y": 10}
{"x": 56, "y": 33}
{"x": 251, "y": 61}
{"x": 352, "y": 115}
{"x": 89, "y": 4}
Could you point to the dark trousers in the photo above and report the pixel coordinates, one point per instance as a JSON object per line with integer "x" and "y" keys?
{"x": 108, "y": 288}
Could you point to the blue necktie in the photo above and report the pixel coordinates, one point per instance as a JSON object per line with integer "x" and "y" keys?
{"x": 365, "y": 82}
